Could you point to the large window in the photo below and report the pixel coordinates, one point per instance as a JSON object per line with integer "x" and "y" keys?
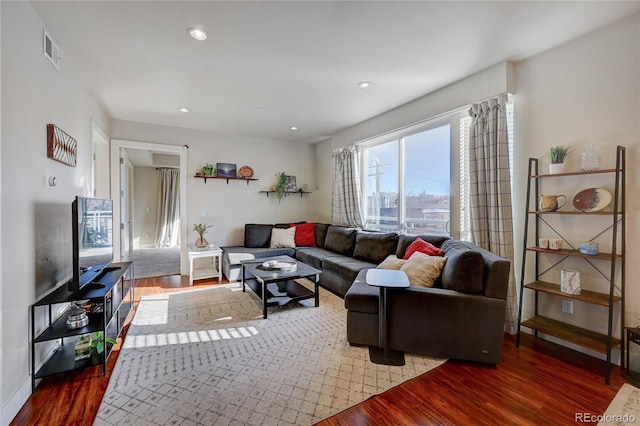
{"x": 408, "y": 185}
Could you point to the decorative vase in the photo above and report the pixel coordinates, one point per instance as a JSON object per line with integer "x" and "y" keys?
{"x": 589, "y": 159}
{"x": 207, "y": 171}
{"x": 202, "y": 242}
{"x": 555, "y": 168}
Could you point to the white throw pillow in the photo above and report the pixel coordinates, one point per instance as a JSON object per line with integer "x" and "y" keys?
{"x": 283, "y": 237}
{"x": 423, "y": 270}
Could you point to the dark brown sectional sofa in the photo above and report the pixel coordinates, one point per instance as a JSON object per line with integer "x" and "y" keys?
{"x": 461, "y": 317}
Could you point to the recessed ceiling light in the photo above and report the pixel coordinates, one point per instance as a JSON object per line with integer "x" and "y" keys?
{"x": 198, "y": 33}
{"x": 365, "y": 84}
{"x": 183, "y": 109}
{"x": 294, "y": 128}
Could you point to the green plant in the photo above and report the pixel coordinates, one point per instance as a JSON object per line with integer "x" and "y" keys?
{"x": 281, "y": 186}
{"x": 97, "y": 341}
{"x": 557, "y": 154}
{"x": 208, "y": 169}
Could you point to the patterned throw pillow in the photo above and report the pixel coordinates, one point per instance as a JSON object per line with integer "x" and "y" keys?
{"x": 420, "y": 245}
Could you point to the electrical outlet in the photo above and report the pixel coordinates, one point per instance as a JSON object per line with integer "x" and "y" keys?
{"x": 567, "y": 306}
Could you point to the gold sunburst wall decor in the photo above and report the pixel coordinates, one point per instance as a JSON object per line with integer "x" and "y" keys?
{"x": 60, "y": 146}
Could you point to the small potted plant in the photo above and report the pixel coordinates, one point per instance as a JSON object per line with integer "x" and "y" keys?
{"x": 557, "y": 155}
{"x": 281, "y": 186}
{"x": 208, "y": 169}
{"x": 201, "y": 229}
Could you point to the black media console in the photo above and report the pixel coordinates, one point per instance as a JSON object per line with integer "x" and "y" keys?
{"x": 114, "y": 289}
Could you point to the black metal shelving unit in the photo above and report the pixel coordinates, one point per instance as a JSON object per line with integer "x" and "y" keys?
{"x": 117, "y": 297}
{"x": 602, "y": 343}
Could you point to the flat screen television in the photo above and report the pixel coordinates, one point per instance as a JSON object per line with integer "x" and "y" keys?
{"x": 92, "y": 229}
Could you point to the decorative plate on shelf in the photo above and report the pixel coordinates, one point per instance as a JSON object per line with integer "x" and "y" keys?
{"x": 592, "y": 199}
{"x": 245, "y": 172}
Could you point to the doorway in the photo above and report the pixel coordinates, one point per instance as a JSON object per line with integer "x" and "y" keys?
{"x": 131, "y": 160}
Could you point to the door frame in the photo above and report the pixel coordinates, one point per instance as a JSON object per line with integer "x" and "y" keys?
{"x": 181, "y": 151}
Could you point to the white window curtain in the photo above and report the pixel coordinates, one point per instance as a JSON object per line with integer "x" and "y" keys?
{"x": 490, "y": 189}
{"x": 345, "y": 202}
{"x": 168, "y": 220}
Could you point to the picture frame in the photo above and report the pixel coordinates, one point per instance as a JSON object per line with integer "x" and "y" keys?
{"x": 60, "y": 146}
{"x": 227, "y": 170}
{"x": 291, "y": 184}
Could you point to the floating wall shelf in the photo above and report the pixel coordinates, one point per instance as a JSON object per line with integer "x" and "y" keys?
{"x": 224, "y": 178}
{"x": 286, "y": 193}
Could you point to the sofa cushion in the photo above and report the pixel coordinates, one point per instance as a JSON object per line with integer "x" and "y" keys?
{"x": 391, "y": 262}
{"x": 346, "y": 267}
{"x": 362, "y": 297}
{"x": 464, "y": 270}
{"x": 340, "y": 240}
{"x": 305, "y": 234}
{"x": 423, "y": 270}
{"x": 374, "y": 246}
{"x": 321, "y": 233}
{"x": 313, "y": 255}
{"x": 257, "y": 235}
{"x": 283, "y": 237}
{"x": 420, "y": 245}
{"x": 405, "y": 241}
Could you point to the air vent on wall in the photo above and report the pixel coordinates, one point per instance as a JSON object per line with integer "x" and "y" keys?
{"x": 50, "y": 50}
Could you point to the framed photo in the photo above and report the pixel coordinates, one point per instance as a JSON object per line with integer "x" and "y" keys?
{"x": 227, "y": 170}
{"x": 291, "y": 184}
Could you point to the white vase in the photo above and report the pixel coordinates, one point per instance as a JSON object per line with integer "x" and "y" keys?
{"x": 555, "y": 168}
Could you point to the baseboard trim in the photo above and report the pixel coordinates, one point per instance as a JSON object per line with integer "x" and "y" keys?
{"x": 11, "y": 409}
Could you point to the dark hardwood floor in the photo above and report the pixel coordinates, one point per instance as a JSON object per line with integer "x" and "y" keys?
{"x": 537, "y": 384}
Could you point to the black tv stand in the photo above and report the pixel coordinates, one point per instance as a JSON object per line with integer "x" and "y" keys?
{"x": 113, "y": 288}
{"x": 92, "y": 286}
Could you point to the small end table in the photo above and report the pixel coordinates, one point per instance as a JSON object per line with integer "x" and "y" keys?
{"x": 209, "y": 271}
{"x": 385, "y": 279}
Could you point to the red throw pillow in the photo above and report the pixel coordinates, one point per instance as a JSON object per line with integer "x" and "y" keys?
{"x": 420, "y": 245}
{"x": 305, "y": 234}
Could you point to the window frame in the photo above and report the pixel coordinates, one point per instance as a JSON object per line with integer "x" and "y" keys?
{"x": 452, "y": 119}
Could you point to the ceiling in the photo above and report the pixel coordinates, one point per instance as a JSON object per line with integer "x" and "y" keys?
{"x": 269, "y": 65}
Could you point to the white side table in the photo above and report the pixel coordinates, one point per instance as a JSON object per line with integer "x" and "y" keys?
{"x": 214, "y": 269}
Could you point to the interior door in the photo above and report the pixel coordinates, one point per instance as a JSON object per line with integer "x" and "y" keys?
{"x": 125, "y": 206}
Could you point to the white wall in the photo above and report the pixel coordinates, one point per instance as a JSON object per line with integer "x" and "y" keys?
{"x": 230, "y": 206}
{"x": 145, "y": 196}
{"x": 34, "y": 93}
{"x": 585, "y": 90}
{"x": 487, "y": 83}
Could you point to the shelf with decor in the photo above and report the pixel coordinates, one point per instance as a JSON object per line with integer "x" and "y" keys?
{"x": 205, "y": 177}
{"x": 614, "y": 262}
{"x": 113, "y": 292}
{"x": 301, "y": 193}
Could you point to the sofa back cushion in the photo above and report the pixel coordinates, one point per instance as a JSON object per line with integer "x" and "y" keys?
{"x": 464, "y": 270}
{"x": 257, "y": 235}
{"x": 405, "y": 241}
{"x": 374, "y": 247}
{"x": 321, "y": 233}
{"x": 340, "y": 240}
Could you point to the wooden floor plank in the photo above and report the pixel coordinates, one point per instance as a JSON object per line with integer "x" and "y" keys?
{"x": 537, "y": 384}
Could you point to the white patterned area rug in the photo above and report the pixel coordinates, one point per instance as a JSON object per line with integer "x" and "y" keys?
{"x": 206, "y": 357}
{"x": 623, "y": 410}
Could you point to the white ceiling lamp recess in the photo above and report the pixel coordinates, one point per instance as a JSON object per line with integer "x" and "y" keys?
{"x": 365, "y": 85}
{"x": 198, "y": 33}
